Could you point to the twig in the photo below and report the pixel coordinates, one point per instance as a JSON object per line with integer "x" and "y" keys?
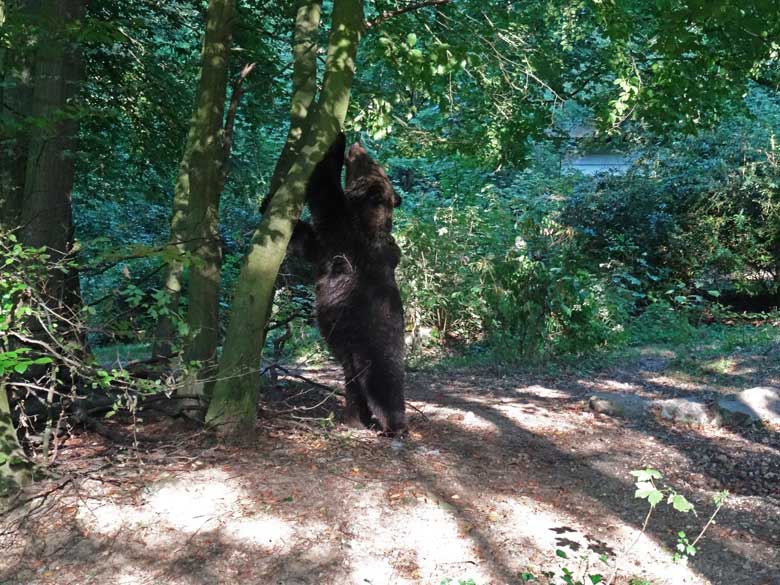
{"x": 413, "y": 407}
{"x": 708, "y": 524}
{"x": 235, "y": 98}
{"x": 302, "y": 378}
{"x": 627, "y": 549}
{"x": 393, "y": 13}
{"x": 41, "y": 495}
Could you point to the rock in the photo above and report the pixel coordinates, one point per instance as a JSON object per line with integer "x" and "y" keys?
{"x": 752, "y": 405}
{"x": 397, "y": 444}
{"x": 687, "y": 411}
{"x": 615, "y": 404}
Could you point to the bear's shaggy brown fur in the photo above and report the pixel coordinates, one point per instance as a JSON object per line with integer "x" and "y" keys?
{"x": 359, "y": 308}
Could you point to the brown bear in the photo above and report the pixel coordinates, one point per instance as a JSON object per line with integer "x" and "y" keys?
{"x": 358, "y": 304}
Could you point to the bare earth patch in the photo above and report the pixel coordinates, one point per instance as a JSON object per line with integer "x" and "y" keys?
{"x": 499, "y": 471}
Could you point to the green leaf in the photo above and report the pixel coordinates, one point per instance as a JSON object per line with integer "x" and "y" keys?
{"x": 646, "y": 474}
{"x": 595, "y": 579}
{"x": 720, "y": 498}
{"x": 679, "y": 503}
{"x": 647, "y": 491}
{"x": 21, "y": 368}
{"x": 561, "y": 554}
{"x": 411, "y": 39}
{"x": 655, "y": 497}
{"x": 643, "y": 489}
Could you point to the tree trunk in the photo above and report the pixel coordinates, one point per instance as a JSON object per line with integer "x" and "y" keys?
{"x": 16, "y": 88}
{"x": 304, "y": 81}
{"x": 15, "y": 468}
{"x": 233, "y": 408}
{"x": 46, "y": 214}
{"x": 194, "y": 225}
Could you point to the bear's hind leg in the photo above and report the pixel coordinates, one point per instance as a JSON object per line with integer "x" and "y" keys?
{"x": 356, "y": 413}
{"x": 385, "y": 394}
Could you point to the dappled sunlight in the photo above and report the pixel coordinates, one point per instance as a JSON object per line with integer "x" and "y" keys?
{"x": 199, "y": 501}
{"x": 611, "y": 385}
{"x": 534, "y": 418}
{"x": 526, "y": 521}
{"x": 657, "y": 564}
{"x": 541, "y": 392}
{"x": 425, "y": 540}
{"x": 490, "y": 483}
{"x": 467, "y": 418}
{"x": 677, "y": 384}
{"x": 589, "y": 458}
{"x": 191, "y": 504}
{"x": 266, "y": 532}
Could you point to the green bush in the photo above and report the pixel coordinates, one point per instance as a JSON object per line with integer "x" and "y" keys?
{"x": 493, "y": 266}
{"x": 695, "y": 213}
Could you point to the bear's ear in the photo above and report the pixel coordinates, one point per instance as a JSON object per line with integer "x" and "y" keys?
{"x": 397, "y": 199}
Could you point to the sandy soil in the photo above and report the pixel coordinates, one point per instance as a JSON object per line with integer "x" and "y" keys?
{"x": 500, "y": 471}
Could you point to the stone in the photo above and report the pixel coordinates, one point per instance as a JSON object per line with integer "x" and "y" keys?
{"x": 616, "y": 404}
{"x": 759, "y": 404}
{"x": 687, "y": 411}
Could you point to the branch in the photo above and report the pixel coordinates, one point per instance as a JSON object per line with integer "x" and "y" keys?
{"x": 412, "y": 7}
{"x": 235, "y": 98}
{"x": 290, "y": 374}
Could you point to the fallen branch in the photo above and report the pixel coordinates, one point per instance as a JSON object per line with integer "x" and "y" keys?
{"x": 289, "y": 374}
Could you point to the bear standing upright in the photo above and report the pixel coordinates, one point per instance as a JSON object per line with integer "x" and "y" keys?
{"x": 359, "y": 310}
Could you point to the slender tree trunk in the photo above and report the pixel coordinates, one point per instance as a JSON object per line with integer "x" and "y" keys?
{"x": 194, "y": 224}
{"x": 206, "y": 182}
{"x": 304, "y": 81}
{"x": 233, "y": 408}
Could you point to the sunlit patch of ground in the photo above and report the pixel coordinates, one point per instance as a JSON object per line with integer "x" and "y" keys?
{"x": 498, "y": 474}
{"x": 527, "y": 523}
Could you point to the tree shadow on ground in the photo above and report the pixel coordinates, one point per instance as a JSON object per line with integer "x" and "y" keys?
{"x": 568, "y": 479}
{"x": 499, "y": 461}
{"x": 205, "y": 558}
{"x": 565, "y": 477}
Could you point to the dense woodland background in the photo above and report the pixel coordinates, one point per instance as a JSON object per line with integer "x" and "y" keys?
{"x": 141, "y": 139}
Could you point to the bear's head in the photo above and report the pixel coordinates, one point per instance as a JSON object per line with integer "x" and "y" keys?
{"x": 369, "y": 191}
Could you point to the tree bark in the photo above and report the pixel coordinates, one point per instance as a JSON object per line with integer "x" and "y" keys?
{"x": 194, "y": 224}
{"x": 15, "y": 468}
{"x": 46, "y": 216}
{"x": 304, "y": 82}
{"x": 233, "y": 408}
{"x": 17, "y": 76}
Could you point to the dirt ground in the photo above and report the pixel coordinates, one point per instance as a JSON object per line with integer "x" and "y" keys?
{"x": 500, "y": 470}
